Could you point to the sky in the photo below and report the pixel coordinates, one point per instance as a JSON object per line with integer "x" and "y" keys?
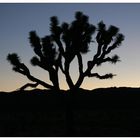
{"x": 17, "y": 20}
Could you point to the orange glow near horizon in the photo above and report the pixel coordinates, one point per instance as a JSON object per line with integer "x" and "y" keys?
{"x": 90, "y": 84}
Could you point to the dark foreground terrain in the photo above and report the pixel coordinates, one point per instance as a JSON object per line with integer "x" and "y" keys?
{"x": 101, "y": 112}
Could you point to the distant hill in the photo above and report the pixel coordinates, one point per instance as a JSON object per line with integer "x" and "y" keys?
{"x": 101, "y": 94}
{"x": 99, "y": 112}
{"x": 112, "y": 91}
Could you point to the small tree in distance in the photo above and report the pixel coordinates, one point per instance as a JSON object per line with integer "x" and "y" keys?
{"x": 72, "y": 40}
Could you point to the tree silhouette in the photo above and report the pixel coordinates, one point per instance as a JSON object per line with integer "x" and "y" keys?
{"x": 66, "y": 41}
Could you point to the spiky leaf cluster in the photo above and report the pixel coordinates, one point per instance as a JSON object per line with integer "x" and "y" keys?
{"x": 106, "y": 36}
{"x": 17, "y": 65}
{"x": 44, "y": 49}
{"x": 55, "y": 28}
{"x": 13, "y": 59}
{"x": 78, "y": 34}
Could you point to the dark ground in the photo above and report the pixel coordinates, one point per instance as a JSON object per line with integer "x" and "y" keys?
{"x": 106, "y": 112}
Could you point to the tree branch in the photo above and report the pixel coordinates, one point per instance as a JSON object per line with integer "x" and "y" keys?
{"x": 106, "y": 76}
{"x": 80, "y": 62}
{"x": 98, "y": 52}
{"x": 33, "y": 85}
{"x": 59, "y": 63}
{"x": 25, "y": 71}
{"x": 118, "y": 40}
{"x": 68, "y": 77}
{"x": 81, "y": 75}
{"x": 61, "y": 49}
{"x": 113, "y": 60}
{"x": 91, "y": 64}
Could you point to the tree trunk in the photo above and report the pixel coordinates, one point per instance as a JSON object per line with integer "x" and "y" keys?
{"x": 30, "y": 77}
{"x": 79, "y": 81}
{"x": 68, "y": 78}
{"x": 54, "y": 78}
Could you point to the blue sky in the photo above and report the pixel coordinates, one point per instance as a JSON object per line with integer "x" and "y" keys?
{"x": 16, "y": 20}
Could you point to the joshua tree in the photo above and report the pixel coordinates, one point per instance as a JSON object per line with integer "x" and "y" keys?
{"x": 66, "y": 41}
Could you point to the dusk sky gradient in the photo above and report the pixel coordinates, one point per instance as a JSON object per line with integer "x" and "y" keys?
{"x": 16, "y": 20}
